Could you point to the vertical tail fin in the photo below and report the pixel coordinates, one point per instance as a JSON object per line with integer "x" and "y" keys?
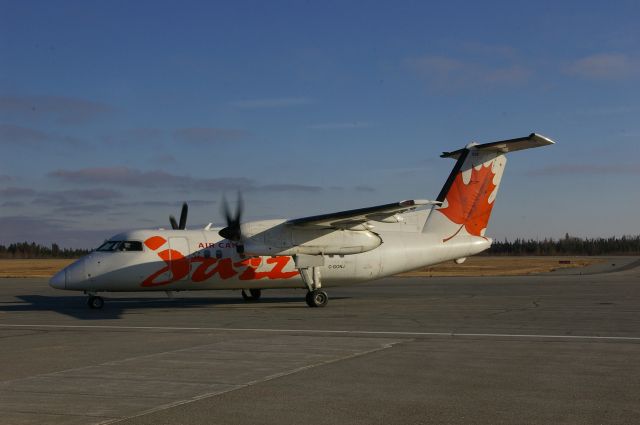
{"x": 469, "y": 193}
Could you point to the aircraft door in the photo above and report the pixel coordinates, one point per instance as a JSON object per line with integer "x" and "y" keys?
{"x": 179, "y": 250}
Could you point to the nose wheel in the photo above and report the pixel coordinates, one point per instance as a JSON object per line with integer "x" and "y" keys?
{"x": 95, "y": 302}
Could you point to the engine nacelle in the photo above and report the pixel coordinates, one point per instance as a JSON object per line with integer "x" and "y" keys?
{"x": 290, "y": 240}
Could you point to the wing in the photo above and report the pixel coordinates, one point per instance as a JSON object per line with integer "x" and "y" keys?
{"x": 384, "y": 213}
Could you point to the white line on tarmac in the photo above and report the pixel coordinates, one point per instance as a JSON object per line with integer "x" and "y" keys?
{"x": 248, "y": 384}
{"x": 327, "y": 331}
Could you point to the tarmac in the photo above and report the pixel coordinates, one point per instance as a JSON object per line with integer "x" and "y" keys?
{"x": 559, "y": 348}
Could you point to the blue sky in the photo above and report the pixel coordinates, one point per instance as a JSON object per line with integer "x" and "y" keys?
{"x": 113, "y": 113}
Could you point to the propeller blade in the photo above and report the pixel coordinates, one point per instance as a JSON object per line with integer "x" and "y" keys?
{"x": 174, "y": 223}
{"x": 183, "y": 216}
{"x": 239, "y": 209}
{"x": 225, "y": 210}
{"x": 233, "y": 232}
{"x": 228, "y": 233}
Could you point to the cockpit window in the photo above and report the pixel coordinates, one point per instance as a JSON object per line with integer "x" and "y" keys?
{"x": 111, "y": 246}
{"x": 130, "y": 246}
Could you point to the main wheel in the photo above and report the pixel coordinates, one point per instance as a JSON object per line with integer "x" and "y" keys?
{"x": 95, "y": 302}
{"x": 317, "y": 298}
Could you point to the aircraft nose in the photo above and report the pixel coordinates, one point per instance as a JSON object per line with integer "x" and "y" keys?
{"x": 71, "y": 277}
{"x": 59, "y": 280}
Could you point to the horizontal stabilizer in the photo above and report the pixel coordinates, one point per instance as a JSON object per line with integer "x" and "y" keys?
{"x": 503, "y": 146}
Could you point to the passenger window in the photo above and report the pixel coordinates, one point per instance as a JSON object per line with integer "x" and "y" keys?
{"x": 218, "y": 254}
{"x": 131, "y": 246}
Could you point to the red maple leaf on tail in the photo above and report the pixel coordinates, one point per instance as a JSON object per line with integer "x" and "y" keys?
{"x": 468, "y": 204}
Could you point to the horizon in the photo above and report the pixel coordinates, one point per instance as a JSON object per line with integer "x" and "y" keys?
{"x": 113, "y": 114}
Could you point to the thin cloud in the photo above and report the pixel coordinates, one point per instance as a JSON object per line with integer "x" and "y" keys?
{"x": 5, "y": 178}
{"x": 289, "y": 188}
{"x": 97, "y": 194}
{"x": 77, "y": 200}
{"x": 206, "y": 135}
{"x": 70, "y": 197}
{"x": 128, "y": 177}
{"x": 340, "y": 125}
{"x": 605, "y": 66}
{"x": 278, "y": 102}
{"x": 363, "y": 188}
{"x": 94, "y": 194}
{"x": 167, "y": 204}
{"x": 443, "y": 72}
{"x": 121, "y": 176}
{"x": 12, "y": 204}
{"x": 588, "y": 169}
{"x": 163, "y": 159}
{"x": 134, "y": 136}
{"x": 12, "y": 135}
{"x": 602, "y": 110}
{"x": 16, "y": 192}
{"x": 489, "y": 50}
{"x": 59, "y": 109}
{"x": 81, "y": 210}
{"x": 46, "y": 230}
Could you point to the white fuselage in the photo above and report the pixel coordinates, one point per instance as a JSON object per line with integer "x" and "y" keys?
{"x": 175, "y": 260}
{"x": 310, "y": 252}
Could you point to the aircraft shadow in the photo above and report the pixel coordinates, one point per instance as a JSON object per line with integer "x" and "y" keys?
{"x": 76, "y": 306}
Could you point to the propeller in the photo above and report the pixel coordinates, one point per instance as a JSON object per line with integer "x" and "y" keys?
{"x": 183, "y": 218}
{"x": 232, "y": 231}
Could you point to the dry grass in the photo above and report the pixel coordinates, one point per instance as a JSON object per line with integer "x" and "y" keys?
{"x": 32, "y": 268}
{"x": 474, "y": 266}
{"x": 503, "y": 266}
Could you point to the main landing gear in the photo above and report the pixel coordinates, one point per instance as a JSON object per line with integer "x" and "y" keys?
{"x": 95, "y": 302}
{"x": 252, "y": 295}
{"x": 309, "y": 268}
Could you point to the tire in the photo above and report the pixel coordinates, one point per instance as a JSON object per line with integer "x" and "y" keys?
{"x": 307, "y": 299}
{"x": 95, "y": 302}
{"x": 317, "y": 298}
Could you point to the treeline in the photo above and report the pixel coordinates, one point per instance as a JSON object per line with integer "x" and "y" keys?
{"x": 569, "y": 245}
{"x": 34, "y": 250}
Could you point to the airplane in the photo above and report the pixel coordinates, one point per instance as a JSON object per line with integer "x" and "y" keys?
{"x": 309, "y": 253}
